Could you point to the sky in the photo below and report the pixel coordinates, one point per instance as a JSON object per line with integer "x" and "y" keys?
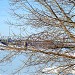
{"x": 4, "y": 16}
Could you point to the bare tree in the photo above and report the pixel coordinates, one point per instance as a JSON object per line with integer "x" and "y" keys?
{"x": 53, "y": 49}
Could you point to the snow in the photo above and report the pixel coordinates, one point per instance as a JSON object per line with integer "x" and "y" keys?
{"x": 54, "y": 70}
{"x": 50, "y": 70}
{"x": 2, "y": 44}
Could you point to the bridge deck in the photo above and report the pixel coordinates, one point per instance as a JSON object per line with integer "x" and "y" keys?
{"x": 43, "y": 45}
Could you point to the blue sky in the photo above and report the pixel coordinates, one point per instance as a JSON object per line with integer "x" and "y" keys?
{"x": 4, "y": 15}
